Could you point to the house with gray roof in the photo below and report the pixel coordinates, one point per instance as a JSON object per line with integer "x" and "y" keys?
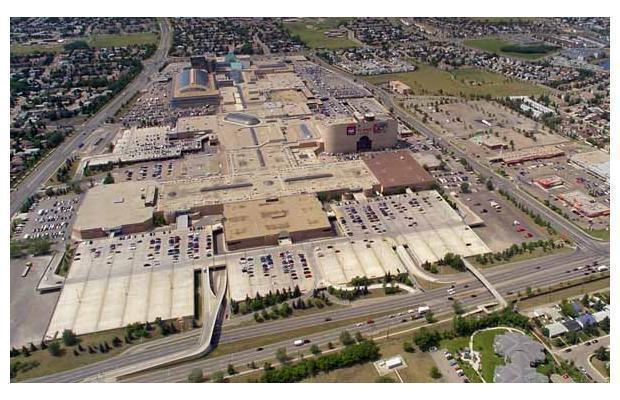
{"x": 511, "y": 373}
{"x": 522, "y": 354}
{"x": 556, "y": 329}
{"x": 600, "y": 315}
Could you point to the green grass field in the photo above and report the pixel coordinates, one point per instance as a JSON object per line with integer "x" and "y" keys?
{"x": 496, "y": 45}
{"x": 124, "y": 39}
{"x": 97, "y": 41}
{"x": 483, "y": 342}
{"x": 429, "y": 80}
{"x": 41, "y": 48}
{"x": 49, "y": 364}
{"x": 311, "y": 31}
{"x": 602, "y": 234}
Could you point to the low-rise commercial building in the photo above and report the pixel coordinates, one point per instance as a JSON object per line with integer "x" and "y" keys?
{"x": 266, "y": 222}
{"x": 194, "y": 87}
{"x": 398, "y": 170}
{"x": 584, "y": 204}
{"x": 400, "y": 88}
{"x": 120, "y": 208}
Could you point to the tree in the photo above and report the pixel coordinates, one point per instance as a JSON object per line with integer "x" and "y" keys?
{"x": 358, "y": 336}
{"x": 281, "y": 355}
{"x": 408, "y": 347}
{"x": 490, "y": 185}
{"x": 430, "y": 317}
{"x": 425, "y": 339}
{"x": 602, "y": 354}
{"x": 434, "y": 373}
{"x": 68, "y": 338}
{"x": 346, "y": 339}
{"x": 458, "y": 307}
{"x": 314, "y": 349}
{"x": 196, "y": 376}
{"x": 231, "y": 369}
{"x": 54, "y": 349}
{"x": 465, "y": 187}
{"x": 108, "y": 179}
{"x": 218, "y": 377}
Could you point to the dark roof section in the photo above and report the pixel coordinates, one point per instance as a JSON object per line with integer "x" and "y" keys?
{"x": 572, "y": 325}
{"x": 397, "y": 169}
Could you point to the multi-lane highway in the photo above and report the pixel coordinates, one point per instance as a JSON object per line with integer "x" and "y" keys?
{"x": 508, "y": 279}
{"x": 41, "y": 174}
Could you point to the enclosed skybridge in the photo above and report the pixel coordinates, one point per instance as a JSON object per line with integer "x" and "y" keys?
{"x": 225, "y": 187}
{"x": 307, "y": 177}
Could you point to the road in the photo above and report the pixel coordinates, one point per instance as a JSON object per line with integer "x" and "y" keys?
{"x": 509, "y": 279}
{"x": 42, "y": 173}
{"x": 581, "y": 353}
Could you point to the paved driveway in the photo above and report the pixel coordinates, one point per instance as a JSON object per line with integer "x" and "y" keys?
{"x": 581, "y": 353}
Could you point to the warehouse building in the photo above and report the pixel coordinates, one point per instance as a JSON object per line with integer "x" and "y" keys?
{"x": 268, "y": 222}
{"x": 397, "y": 171}
{"x": 595, "y": 162}
{"x": 531, "y": 154}
{"x": 120, "y": 208}
{"x": 194, "y": 87}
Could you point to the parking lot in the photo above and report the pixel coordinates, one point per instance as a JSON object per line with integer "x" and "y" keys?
{"x": 30, "y": 311}
{"x": 50, "y": 218}
{"x": 423, "y": 220}
{"x": 572, "y": 178}
{"x": 270, "y": 269}
{"x": 114, "y": 282}
{"x": 342, "y": 260}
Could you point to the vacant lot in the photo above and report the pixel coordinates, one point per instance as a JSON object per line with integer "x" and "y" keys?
{"x": 312, "y": 32}
{"x": 429, "y": 80}
{"x": 517, "y": 51}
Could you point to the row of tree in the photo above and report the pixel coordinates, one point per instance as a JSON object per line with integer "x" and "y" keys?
{"x": 515, "y": 249}
{"x": 357, "y": 353}
{"x": 538, "y": 220}
{"x": 426, "y": 338}
{"x": 258, "y": 302}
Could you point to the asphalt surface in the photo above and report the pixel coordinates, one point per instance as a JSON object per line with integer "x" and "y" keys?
{"x": 42, "y": 173}
{"x": 581, "y": 354}
{"x": 541, "y": 272}
{"x": 512, "y": 278}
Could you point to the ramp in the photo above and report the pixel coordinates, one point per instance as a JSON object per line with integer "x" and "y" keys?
{"x": 214, "y": 292}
